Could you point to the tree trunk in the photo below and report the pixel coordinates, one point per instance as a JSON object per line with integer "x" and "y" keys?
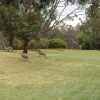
{"x": 11, "y": 38}
{"x": 25, "y": 47}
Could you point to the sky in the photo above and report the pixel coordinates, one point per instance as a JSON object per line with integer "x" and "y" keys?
{"x": 68, "y": 10}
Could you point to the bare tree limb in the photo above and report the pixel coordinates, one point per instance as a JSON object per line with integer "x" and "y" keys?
{"x": 58, "y": 21}
{"x": 60, "y": 14}
{"x": 49, "y": 20}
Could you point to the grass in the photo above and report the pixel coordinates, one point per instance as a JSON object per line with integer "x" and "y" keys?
{"x": 65, "y": 75}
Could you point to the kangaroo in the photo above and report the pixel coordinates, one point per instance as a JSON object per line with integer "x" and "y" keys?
{"x": 41, "y": 53}
{"x": 8, "y": 49}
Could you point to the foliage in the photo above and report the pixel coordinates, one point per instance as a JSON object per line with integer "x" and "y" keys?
{"x": 91, "y": 28}
{"x": 22, "y": 18}
{"x": 30, "y": 25}
{"x": 67, "y": 33}
{"x": 41, "y": 44}
{"x": 9, "y": 22}
{"x": 17, "y": 45}
{"x": 8, "y": 19}
{"x": 84, "y": 44}
{"x": 57, "y": 43}
{"x": 32, "y": 44}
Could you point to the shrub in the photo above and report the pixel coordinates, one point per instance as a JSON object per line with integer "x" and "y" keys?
{"x": 32, "y": 44}
{"x": 17, "y": 44}
{"x": 85, "y": 46}
{"x": 42, "y": 44}
{"x": 84, "y": 43}
{"x": 57, "y": 43}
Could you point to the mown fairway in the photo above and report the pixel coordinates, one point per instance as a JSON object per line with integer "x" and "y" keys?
{"x": 65, "y": 75}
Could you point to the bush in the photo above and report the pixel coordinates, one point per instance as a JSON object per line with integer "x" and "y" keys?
{"x": 85, "y": 46}
{"x": 42, "y": 44}
{"x": 57, "y": 43}
{"x": 17, "y": 44}
{"x": 84, "y": 43}
{"x": 32, "y": 44}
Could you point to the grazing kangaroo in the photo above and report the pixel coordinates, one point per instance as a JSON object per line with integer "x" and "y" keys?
{"x": 24, "y": 56}
{"x": 4, "y": 47}
{"x": 41, "y": 53}
{"x": 8, "y": 49}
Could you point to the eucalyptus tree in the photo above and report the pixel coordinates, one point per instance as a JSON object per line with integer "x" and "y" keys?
{"x": 9, "y": 19}
{"x": 94, "y": 21}
{"x": 31, "y": 18}
{"x": 36, "y": 16}
{"x": 22, "y": 18}
{"x": 91, "y": 27}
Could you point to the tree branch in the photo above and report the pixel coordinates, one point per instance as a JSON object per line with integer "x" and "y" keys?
{"x": 58, "y": 21}
{"x": 49, "y": 20}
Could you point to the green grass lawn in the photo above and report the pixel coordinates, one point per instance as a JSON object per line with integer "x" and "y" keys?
{"x": 65, "y": 75}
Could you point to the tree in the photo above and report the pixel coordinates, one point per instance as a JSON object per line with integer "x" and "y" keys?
{"x": 45, "y": 10}
{"x": 29, "y": 28}
{"x": 22, "y": 18}
{"x": 31, "y": 18}
{"x": 8, "y": 19}
{"x": 91, "y": 27}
